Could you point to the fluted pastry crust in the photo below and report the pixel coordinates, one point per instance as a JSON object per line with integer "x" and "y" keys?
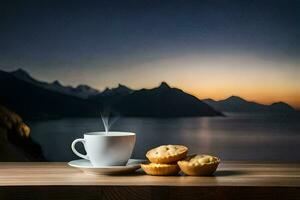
{"x": 160, "y": 169}
{"x": 199, "y": 165}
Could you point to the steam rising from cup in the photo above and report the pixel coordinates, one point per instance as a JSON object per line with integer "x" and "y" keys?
{"x": 108, "y": 119}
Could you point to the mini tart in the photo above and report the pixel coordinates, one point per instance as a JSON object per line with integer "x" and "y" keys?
{"x": 155, "y": 169}
{"x": 167, "y": 154}
{"x": 199, "y": 165}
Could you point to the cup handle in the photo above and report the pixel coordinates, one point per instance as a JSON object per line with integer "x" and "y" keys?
{"x": 75, "y": 151}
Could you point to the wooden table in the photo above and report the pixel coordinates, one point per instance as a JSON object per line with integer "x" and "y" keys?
{"x": 233, "y": 180}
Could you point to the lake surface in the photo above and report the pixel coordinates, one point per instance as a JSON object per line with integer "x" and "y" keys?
{"x": 235, "y": 137}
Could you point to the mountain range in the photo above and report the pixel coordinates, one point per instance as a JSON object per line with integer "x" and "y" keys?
{"x": 238, "y": 104}
{"x": 161, "y": 101}
{"x": 82, "y": 91}
{"x": 38, "y": 99}
{"x": 31, "y": 100}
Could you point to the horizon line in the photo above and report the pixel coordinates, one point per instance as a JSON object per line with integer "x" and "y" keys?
{"x": 120, "y": 84}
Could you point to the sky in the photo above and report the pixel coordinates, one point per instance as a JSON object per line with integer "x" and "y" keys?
{"x": 211, "y": 49}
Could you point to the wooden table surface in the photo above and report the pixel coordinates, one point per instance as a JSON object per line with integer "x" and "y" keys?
{"x": 266, "y": 180}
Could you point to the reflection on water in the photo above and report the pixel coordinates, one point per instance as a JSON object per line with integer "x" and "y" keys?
{"x": 236, "y": 137}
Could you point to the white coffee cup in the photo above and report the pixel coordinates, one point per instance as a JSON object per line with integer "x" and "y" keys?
{"x": 112, "y": 149}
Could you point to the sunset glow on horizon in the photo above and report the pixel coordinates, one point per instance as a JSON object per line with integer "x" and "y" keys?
{"x": 212, "y": 76}
{"x": 206, "y": 48}
{"x": 217, "y": 77}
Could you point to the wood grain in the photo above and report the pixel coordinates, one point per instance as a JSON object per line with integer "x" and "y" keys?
{"x": 228, "y": 174}
{"x": 233, "y": 180}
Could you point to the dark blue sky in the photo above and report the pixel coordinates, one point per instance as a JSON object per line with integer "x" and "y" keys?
{"x": 74, "y": 40}
{"x": 76, "y": 30}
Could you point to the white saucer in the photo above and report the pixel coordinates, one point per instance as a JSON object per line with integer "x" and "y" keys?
{"x": 85, "y": 166}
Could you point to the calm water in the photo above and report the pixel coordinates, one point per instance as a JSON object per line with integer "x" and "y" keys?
{"x": 235, "y": 137}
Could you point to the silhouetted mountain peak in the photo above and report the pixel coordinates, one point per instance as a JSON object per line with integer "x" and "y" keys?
{"x": 282, "y": 106}
{"x": 57, "y": 83}
{"x": 120, "y": 89}
{"x": 20, "y": 71}
{"x": 164, "y": 85}
{"x": 279, "y": 103}
{"x": 22, "y": 74}
{"x": 86, "y": 90}
{"x": 237, "y": 104}
{"x": 234, "y": 98}
{"x": 107, "y": 89}
{"x": 82, "y": 91}
{"x": 162, "y": 101}
{"x": 123, "y": 87}
{"x": 81, "y": 86}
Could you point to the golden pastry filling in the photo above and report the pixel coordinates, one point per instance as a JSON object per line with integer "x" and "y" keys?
{"x": 167, "y": 151}
{"x": 201, "y": 160}
{"x": 199, "y": 165}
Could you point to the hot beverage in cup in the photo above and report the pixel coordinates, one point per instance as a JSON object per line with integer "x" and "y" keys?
{"x": 106, "y": 149}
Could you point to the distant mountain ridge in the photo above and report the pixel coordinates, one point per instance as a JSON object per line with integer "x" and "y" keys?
{"x": 238, "y": 104}
{"x": 83, "y": 91}
{"x": 120, "y": 90}
{"x": 162, "y": 101}
{"x": 36, "y": 102}
{"x": 36, "y": 99}
{"x": 110, "y": 96}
